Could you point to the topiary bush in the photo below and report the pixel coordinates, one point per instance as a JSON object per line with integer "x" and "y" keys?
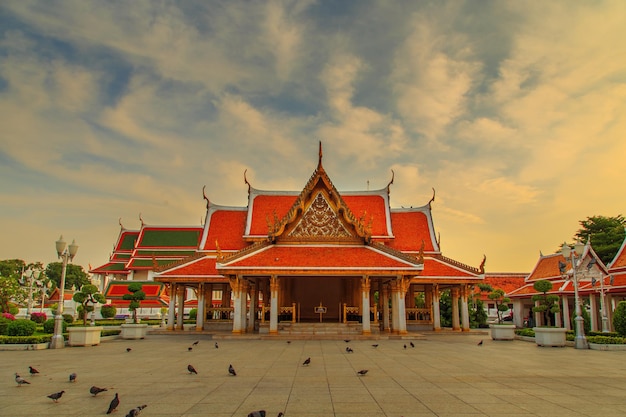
{"x": 21, "y": 328}
{"x": 107, "y": 311}
{"x": 68, "y": 318}
{"x": 193, "y": 314}
{"x": 619, "y": 318}
{"x": 548, "y": 303}
{"x": 48, "y": 326}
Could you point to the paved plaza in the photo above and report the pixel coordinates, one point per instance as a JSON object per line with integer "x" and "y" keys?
{"x": 443, "y": 375}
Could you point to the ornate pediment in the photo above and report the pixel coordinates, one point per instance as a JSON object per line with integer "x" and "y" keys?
{"x": 320, "y": 220}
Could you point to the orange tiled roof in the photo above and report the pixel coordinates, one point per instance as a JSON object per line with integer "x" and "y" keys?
{"x": 372, "y": 207}
{"x": 409, "y": 229}
{"x": 548, "y": 268}
{"x": 618, "y": 264}
{"x": 263, "y": 207}
{"x": 322, "y": 257}
{"x": 198, "y": 267}
{"x": 227, "y": 228}
{"x": 505, "y": 282}
{"x": 438, "y": 268}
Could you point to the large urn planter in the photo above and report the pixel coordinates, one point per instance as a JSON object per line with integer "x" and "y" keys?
{"x": 502, "y": 331}
{"x": 550, "y": 336}
{"x": 134, "y": 331}
{"x": 84, "y": 335}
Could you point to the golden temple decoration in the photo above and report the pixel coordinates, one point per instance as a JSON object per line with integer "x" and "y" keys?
{"x": 481, "y": 268}
{"x": 320, "y": 220}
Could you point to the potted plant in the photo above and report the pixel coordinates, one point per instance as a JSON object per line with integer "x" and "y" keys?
{"x": 86, "y": 335}
{"x": 547, "y": 305}
{"x": 499, "y": 331}
{"x": 134, "y": 330}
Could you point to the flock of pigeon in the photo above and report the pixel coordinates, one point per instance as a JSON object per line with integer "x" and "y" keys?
{"x": 94, "y": 390}
{"x": 134, "y": 412}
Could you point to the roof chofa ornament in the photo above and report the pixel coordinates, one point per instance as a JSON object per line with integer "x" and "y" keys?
{"x": 393, "y": 175}
{"x": 205, "y": 197}
{"x": 245, "y": 180}
{"x": 141, "y": 220}
{"x": 481, "y": 268}
{"x": 121, "y": 225}
{"x": 433, "y": 198}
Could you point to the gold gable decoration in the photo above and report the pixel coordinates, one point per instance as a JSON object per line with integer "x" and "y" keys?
{"x": 319, "y": 220}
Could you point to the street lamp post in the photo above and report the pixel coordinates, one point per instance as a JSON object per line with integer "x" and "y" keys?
{"x": 66, "y": 253}
{"x": 32, "y": 277}
{"x": 580, "y": 342}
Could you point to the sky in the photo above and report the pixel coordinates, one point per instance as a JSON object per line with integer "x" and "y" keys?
{"x": 514, "y": 112}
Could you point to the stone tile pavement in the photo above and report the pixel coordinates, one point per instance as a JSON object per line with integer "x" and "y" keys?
{"x": 444, "y": 375}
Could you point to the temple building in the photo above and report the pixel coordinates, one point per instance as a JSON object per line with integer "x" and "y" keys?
{"x": 291, "y": 259}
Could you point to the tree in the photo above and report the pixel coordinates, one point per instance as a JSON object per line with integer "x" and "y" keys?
{"x": 135, "y": 297}
{"x": 88, "y": 294}
{"x": 606, "y": 233}
{"x": 619, "y": 318}
{"x": 10, "y": 291}
{"x": 74, "y": 276}
{"x": 548, "y": 303}
{"x": 499, "y": 297}
{"x": 12, "y": 268}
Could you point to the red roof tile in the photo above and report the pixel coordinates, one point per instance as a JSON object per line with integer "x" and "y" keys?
{"x": 305, "y": 256}
{"x": 548, "y": 267}
{"x": 264, "y": 207}
{"x": 409, "y": 229}
{"x": 372, "y": 207}
{"x": 227, "y": 228}
{"x": 198, "y": 267}
{"x": 439, "y": 268}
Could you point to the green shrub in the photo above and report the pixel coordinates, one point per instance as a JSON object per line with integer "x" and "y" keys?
{"x": 110, "y": 332}
{"x": 608, "y": 334}
{"x": 607, "y": 340}
{"x": 525, "y": 332}
{"x": 21, "y": 328}
{"x": 548, "y": 303}
{"x": 7, "y": 340}
{"x": 193, "y": 313}
{"x": 4, "y": 324}
{"x": 108, "y": 311}
{"x": 14, "y": 309}
{"x": 619, "y": 318}
{"x": 586, "y": 320}
{"x": 68, "y": 318}
{"x": 48, "y": 326}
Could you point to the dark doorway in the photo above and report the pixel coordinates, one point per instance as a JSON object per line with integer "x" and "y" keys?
{"x": 310, "y": 291}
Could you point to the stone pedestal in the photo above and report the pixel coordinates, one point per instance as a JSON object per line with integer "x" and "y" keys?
{"x": 134, "y": 331}
{"x": 84, "y": 336}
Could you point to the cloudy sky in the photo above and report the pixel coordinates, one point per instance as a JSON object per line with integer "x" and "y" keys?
{"x": 515, "y": 112}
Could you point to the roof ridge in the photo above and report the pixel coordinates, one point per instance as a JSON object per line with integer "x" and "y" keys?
{"x": 458, "y": 264}
{"x": 390, "y": 251}
{"x": 197, "y": 255}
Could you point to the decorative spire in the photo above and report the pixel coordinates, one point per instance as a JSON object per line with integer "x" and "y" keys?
{"x": 319, "y": 162}
{"x": 393, "y": 175}
{"x": 433, "y": 197}
{"x": 482, "y": 264}
{"x": 121, "y": 225}
{"x": 141, "y": 220}
{"x": 205, "y": 197}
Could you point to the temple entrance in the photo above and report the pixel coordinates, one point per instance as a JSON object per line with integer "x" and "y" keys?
{"x": 310, "y": 291}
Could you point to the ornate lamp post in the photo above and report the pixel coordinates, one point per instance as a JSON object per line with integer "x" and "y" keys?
{"x": 66, "y": 253}
{"x": 580, "y": 342}
{"x": 32, "y": 277}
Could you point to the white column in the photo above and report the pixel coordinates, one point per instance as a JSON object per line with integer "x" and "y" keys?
{"x": 557, "y": 319}
{"x": 455, "y": 309}
{"x": 465, "y": 323}
{"x": 274, "y": 288}
{"x": 254, "y": 301}
{"x": 171, "y": 311}
{"x": 610, "y": 308}
{"x": 235, "y": 285}
{"x": 243, "y": 299}
{"x": 436, "y": 311}
{"x": 365, "y": 305}
{"x": 518, "y": 318}
{"x": 395, "y": 307}
{"x": 200, "y": 315}
{"x": 568, "y": 323}
{"x": 593, "y": 306}
{"x": 181, "y": 306}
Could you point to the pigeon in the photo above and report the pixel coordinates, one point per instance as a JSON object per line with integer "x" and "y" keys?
{"x": 307, "y": 361}
{"x": 347, "y": 340}
{"x": 96, "y": 390}
{"x": 189, "y": 348}
{"x": 216, "y": 346}
{"x": 260, "y": 413}
{"x": 32, "y": 370}
{"x": 231, "y": 370}
{"x": 375, "y": 346}
{"x": 128, "y": 349}
{"x": 349, "y": 349}
{"x": 73, "y": 377}
{"x": 480, "y": 343}
{"x": 405, "y": 345}
{"x": 192, "y": 370}
{"x": 196, "y": 343}
{"x": 412, "y": 344}
{"x": 362, "y": 372}
{"x": 20, "y": 381}
{"x": 55, "y": 397}
{"x": 288, "y": 341}
{"x": 114, "y": 403}
{"x": 135, "y": 411}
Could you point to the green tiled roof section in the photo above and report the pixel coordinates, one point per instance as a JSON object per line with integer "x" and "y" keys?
{"x": 170, "y": 238}
{"x": 122, "y": 256}
{"x": 150, "y": 262}
{"x": 115, "y": 267}
{"x": 128, "y": 242}
{"x": 157, "y": 252}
